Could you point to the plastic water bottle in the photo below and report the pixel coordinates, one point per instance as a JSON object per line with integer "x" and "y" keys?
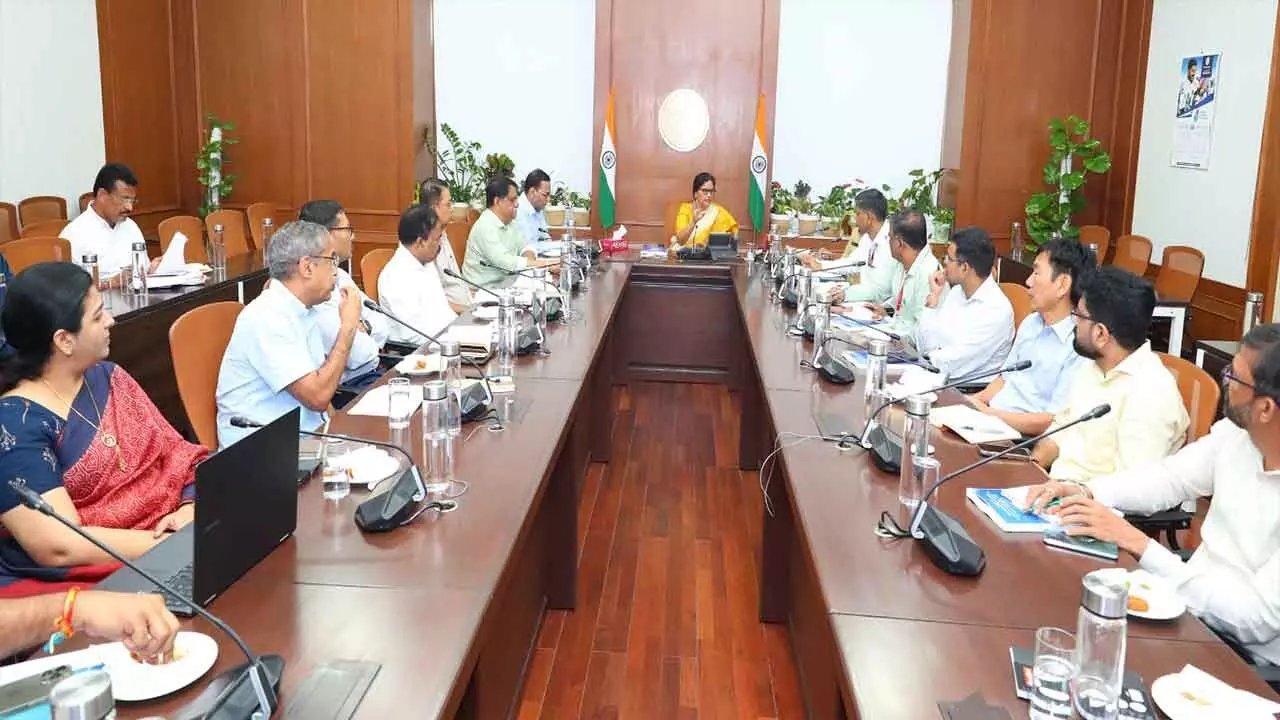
{"x": 217, "y": 249}
{"x": 268, "y": 229}
{"x": 539, "y": 308}
{"x": 507, "y": 330}
{"x": 437, "y": 443}
{"x": 140, "y": 263}
{"x": 90, "y": 264}
{"x": 821, "y": 321}
{"x": 1101, "y": 637}
{"x": 915, "y": 447}
{"x": 569, "y": 223}
{"x": 451, "y": 373}
{"x": 793, "y": 226}
{"x": 873, "y": 395}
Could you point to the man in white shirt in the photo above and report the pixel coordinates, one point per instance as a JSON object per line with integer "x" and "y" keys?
{"x": 371, "y": 334}
{"x": 105, "y": 228}
{"x": 1232, "y": 580}
{"x": 870, "y": 221}
{"x": 435, "y": 194}
{"x": 409, "y": 285}
{"x": 530, "y": 215}
{"x": 275, "y": 361}
{"x": 967, "y": 323}
{"x": 906, "y": 294}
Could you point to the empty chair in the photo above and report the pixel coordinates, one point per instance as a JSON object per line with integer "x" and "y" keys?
{"x": 233, "y": 235}
{"x": 8, "y": 222}
{"x": 197, "y": 341}
{"x": 44, "y": 228}
{"x": 25, "y": 252}
{"x": 1179, "y": 275}
{"x": 1097, "y": 236}
{"x": 457, "y": 232}
{"x": 1133, "y": 253}
{"x": 371, "y": 267}
{"x": 40, "y": 208}
{"x": 1020, "y": 299}
{"x": 256, "y": 213}
{"x": 191, "y": 227}
{"x": 1200, "y": 393}
{"x": 85, "y": 199}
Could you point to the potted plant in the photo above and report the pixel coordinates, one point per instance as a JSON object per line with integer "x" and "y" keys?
{"x": 458, "y": 168}
{"x": 556, "y": 204}
{"x": 1049, "y": 213}
{"x": 780, "y": 209}
{"x": 498, "y": 164}
{"x": 209, "y": 164}
{"x": 835, "y": 205}
{"x": 921, "y": 195}
{"x": 581, "y": 204}
{"x": 803, "y": 207}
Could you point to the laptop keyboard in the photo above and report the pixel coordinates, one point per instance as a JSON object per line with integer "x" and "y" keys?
{"x": 182, "y": 582}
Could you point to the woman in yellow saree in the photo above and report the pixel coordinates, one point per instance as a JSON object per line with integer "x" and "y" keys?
{"x": 696, "y": 220}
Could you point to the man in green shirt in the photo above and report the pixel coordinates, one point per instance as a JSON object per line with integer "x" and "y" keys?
{"x": 496, "y": 246}
{"x": 908, "y": 290}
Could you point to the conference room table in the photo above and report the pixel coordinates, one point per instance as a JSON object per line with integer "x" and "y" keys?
{"x": 450, "y": 605}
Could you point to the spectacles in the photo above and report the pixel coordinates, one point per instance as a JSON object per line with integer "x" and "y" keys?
{"x": 1081, "y": 316}
{"x": 129, "y": 200}
{"x": 332, "y": 259}
{"x": 345, "y": 228}
{"x": 707, "y": 191}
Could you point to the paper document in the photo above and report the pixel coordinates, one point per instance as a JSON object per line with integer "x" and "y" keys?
{"x": 653, "y": 252}
{"x": 972, "y": 424}
{"x": 471, "y": 334}
{"x": 1216, "y": 698}
{"x": 376, "y": 402}
{"x": 174, "y": 259}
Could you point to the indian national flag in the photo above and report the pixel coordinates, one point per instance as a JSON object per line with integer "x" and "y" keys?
{"x": 606, "y": 197}
{"x": 759, "y": 171}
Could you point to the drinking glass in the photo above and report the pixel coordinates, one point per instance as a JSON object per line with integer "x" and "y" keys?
{"x": 335, "y": 475}
{"x": 918, "y": 475}
{"x": 401, "y": 403}
{"x": 1051, "y": 674}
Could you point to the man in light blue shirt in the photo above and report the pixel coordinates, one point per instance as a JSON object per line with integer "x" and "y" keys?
{"x": 276, "y": 361}
{"x": 530, "y": 215}
{"x": 1029, "y": 399}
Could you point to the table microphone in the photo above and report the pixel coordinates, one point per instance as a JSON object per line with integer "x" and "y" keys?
{"x": 528, "y": 339}
{"x": 472, "y": 406}
{"x": 945, "y": 540}
{"x": 257, "y": 669}
{"x": 870, "y": 326}
{"x": 886, "y": 452}
{"x": 789, "y": 293}
{"x": 555, "y": 304}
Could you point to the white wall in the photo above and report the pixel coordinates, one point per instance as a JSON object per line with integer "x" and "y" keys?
{"x": 862, "y": 89}
{"x": 542, "y": 52}
{"x": 51, "y": 136}
{"x": 1212, "y": 209}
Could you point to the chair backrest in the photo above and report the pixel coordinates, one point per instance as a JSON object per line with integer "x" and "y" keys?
{"x": 371, "y": 267}
{"x": 1020, "y": 298}
{"x": 197, "y": 341}
{"x": 256, "y": 213}
{"x": 8, "y": 222}
{"x": 233, "y": 234}
{"x": 25, "y": 252}
{"x": 669, "y": 221}
{"x": 1200, "y": 393}
{"x": 1096, "y": 235}
{"x": 1179, "y": 275}
{"x": 1133, "y": 253}
{"x": 191, "y": 227}
{"x": 43, "y": 228}
{"x": 458, "y": 231}
{"x": 85, "y": 199}
{"x": 42, "y": 207}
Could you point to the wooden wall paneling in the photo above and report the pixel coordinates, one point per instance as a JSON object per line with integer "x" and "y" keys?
{"x": 953, "y": 121}
{"x": 424, "y": 86}
{"x": 187, "y": 118}
{"x": 1264, "y": 241}
{"x": 1123, "y": 69}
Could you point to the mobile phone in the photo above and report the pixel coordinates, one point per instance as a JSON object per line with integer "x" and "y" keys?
{"x": 992, "y": 448}
{"x": 31, "y": 691}
{"x": 1083, "y": 544}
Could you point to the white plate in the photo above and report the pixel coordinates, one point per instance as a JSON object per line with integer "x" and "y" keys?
{"x": 1164, "y": 602}
{"x": 485, "y": 312}
{"x": 410, "y": 364}
{"x": 132, "y": 681}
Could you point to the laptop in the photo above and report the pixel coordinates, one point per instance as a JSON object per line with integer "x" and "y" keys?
{"x": 247, "y": 504}
{"x": 723, "y": 246}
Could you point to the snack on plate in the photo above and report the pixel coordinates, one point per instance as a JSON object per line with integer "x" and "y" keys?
{"x": 162, "y": 659}
{"x": 420, "y": 364}
{"x": 1137, "y": 604}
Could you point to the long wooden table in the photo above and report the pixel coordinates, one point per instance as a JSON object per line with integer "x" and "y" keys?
{"x": 450, "y": 606}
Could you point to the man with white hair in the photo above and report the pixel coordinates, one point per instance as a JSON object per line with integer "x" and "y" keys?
{"x": 276, "y": 360}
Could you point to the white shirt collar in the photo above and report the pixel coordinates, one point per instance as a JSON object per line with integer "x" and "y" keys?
{"x": 284, "y": 298}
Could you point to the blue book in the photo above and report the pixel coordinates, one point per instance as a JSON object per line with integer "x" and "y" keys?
{"x": 1004, "y": 507}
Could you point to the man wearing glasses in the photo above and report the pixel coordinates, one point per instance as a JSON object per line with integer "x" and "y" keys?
{"x": 529, "y": 213}
{"x": 362, "y": 363}
{"x": 276, "y": 360}
{"x": 496, "y": 246}
{"x": 1147, "y": 421}
{"x": 105, "y": 228}
{"x": 1232, "y": 579}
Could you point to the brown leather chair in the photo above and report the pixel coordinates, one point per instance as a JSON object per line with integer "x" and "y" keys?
{"x": 191, "y": 227}
{"x": 85, "y": 199}
{"x": 1133, "y": 253}
{"x": 233, "y": 234}
{"x": 1020, "y": 298}
{"x": 25, "y": 252}
{"x": 42, "y": 207}
{"x": 1200, "y": 393}
{"x": 1179, "y": 276}
{"x": 256, "y": 213}
{"x": 197, "y": 341}
{"x": 457, "y": 231}
{"x": 43, "y": 228}
{"x": 8, "y": 222}
{"x": 1096, "y": 235}
{"x": 371, "y": 267}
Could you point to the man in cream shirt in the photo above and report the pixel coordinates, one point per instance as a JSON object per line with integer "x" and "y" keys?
{"x": 409, "y": 286}
{"x": 1147, "y": 421}
{"x": 1232, "y": 581}
{"x": 105, "y": 228}
{"x": 435, "y": 194}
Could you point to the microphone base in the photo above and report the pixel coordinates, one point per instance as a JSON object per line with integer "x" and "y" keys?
{"x": 391, "y": 508}
{"x": 473, "y": 404}
{"x": 948, "y": 545}
{"x": 885, "y": 451}
{"x": 240, "y": 702}
{"x": 834, "y": 372}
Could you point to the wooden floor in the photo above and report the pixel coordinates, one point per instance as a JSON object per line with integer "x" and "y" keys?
{"x": 665, "y": 625}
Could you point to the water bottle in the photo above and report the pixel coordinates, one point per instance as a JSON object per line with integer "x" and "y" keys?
{"x": 821, "y": 321}
{"x": 751, "y": 254}
{"x": 915, "y": 447}
{"x": 1252, "y": 310}
{"x": 569, "y": 223}
{"x": 268, "y": 229}
{"x": 90, "y": 264}
{"x": 1016, "y": 242}
{"x": 437, "y": 442}
{"x": 140, "y": 263}
{"x": 451, "y": 374}
{"x": 566, "y": 266}
{"x": 539, "y": 308}
{"x": 804, "y": 291}
{"x": 217, "y": 249}
{"x": 507, "y": 330}
{"x": 1101, "y": 631}
{"x": 873, "y": 393}
{"x": 793, "y": 227}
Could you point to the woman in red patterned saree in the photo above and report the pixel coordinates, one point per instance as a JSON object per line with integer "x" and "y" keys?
{"x": 83, "y": 434}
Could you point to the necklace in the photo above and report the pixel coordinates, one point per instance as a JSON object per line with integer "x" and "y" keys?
{"x": 108, "y": 439}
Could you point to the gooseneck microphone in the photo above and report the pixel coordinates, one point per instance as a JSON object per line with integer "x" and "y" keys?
{"x": 554, "y": 303}
{"x": 528, "y": 339}
{"x": 468, "y": 413}
{"x": 863, "y": 323}
{"x": 944, "y": 539}
{"x": 258, "y": 670}
{"x": 886, "y": 452}
{"x": 477, "y": 286}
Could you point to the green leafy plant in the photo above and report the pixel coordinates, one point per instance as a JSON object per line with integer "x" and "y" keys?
{"x": 496, "y": 164}
{"x": 838, "y": 202}
{"x": 781, "y": 199}
{"x": 209, "y": 164}
{"x": 800, "y": 201}
{"x": 582, "y": 201}
{"x": 559, "y": 195}
{"x": 457, "y": 165}
{"x": 1070, "y": 147}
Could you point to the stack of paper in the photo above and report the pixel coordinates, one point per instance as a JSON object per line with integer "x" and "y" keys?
{"x": 653, "y": 252}
{"x": 471, "y": 334}
{"x": 972, "y": 424}
{"x": 1201, "y": 695}
{"x": 174, "y": 270}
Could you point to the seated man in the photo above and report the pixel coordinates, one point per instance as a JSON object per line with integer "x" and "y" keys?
{"x": 1232, "y": 581}
{"x": 1147, "y": 421}
{"x": 1028, "y": 399}
{"x": 698, "y": 219}
{"x": 105, "y": 228}
{"x": 905, "y": 296}
{"x": 529, "y": 213}
{"x": 435, "y": 194}
{"x": 496, "y": 246}
{"x": 371, "y": 335}
{"x": 140, "y": 621}
{"x": 409, "y": 285}
{"x": 967, "y": 323}
{"x": 275, "y": 361}
{"x": 870, "y": 220}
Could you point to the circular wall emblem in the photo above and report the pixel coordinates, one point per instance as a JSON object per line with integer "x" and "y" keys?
{"x": 683, "y": 120}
